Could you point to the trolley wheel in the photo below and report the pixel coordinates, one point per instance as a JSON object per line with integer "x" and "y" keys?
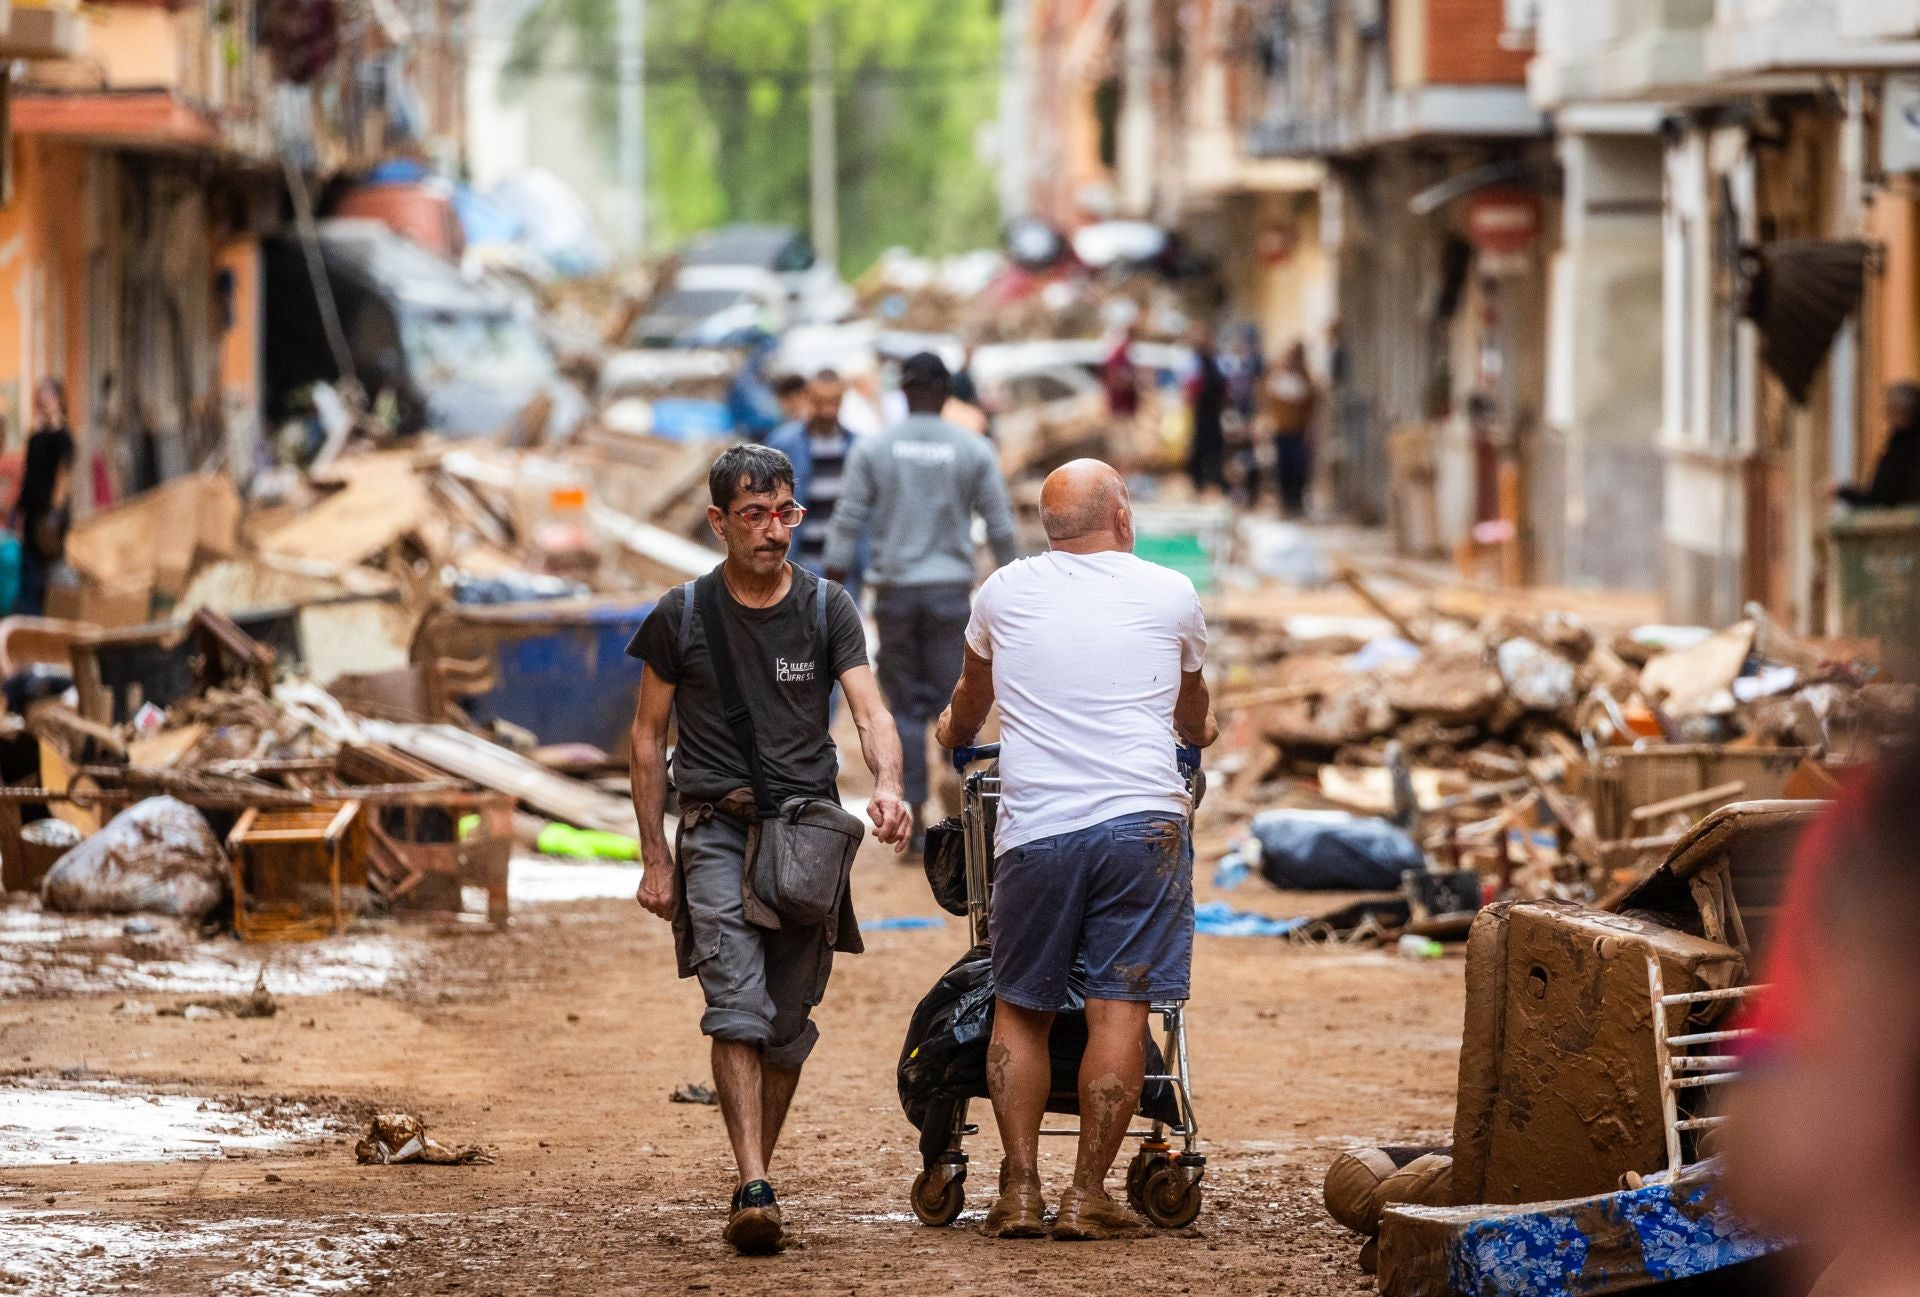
{"x": 1138, "y": 1170}
{"x": 1168, "y": 1200}
{"x": 937, "y": 1201}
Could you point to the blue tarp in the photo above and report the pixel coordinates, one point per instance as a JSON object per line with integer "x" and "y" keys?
{"x": 683, "y": 419}
{"x": 1218, "y": 919}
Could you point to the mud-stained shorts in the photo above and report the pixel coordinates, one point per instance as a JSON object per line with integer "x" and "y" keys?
{"x": 1119, "y": 893}
{"x": 760, "y": 984}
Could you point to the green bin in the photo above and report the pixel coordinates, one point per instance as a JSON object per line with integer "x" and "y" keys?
{"x": 1183, "y": 551}
{"x": 1874, "y": 582}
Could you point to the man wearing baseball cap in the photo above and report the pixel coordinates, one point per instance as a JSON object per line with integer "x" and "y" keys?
{"x": 915, "y": 490}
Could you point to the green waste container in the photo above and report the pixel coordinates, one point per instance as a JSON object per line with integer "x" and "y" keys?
{"x": 1192, "y": 540}
{"x": 1874, "y": 581}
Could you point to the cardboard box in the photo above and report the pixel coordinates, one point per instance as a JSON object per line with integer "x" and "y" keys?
{"x": 110, "y": 607}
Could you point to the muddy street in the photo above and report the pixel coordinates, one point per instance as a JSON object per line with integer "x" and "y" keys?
{"x": 556, "y": 1047}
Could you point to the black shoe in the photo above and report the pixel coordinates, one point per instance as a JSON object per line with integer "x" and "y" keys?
{"x": 753, "y": 1227}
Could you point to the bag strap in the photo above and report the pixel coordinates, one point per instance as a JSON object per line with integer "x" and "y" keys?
{"x": 686, "y": 622}
{"x": 820, "y": 617}
{"x": 739, "y": 718}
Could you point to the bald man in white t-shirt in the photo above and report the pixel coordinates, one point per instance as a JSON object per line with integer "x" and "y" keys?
{"x": 1094, "y": 657}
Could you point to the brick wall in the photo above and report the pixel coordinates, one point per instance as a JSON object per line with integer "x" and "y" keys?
{"x": 1463, "y": 44}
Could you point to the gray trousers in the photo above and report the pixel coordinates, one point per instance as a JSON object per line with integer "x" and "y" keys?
{"x": 922, "y": 650}
{"x": 760, "y": 984}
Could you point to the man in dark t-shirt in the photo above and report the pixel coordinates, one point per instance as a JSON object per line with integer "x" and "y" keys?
{"x": 792, "y": 636}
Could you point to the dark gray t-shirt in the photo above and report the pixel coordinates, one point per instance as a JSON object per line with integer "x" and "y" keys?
{"x": 784, "y": 670}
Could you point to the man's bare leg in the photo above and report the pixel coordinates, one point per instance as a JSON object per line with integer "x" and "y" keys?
{"x": 777, "y": 1085}
{"x": 1019, "y": 1074}
{"x": 739, "y": 1084}
{"x": 1110, "y": 1075}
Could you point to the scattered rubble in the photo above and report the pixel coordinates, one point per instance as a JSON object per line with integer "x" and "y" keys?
{"x": 397, "y": 1137}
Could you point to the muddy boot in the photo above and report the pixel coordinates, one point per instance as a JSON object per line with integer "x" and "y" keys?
{"x": 1019, "y": 1212}
{"x": 754, "y": 1228}
{"x": 1086, "y": 1215}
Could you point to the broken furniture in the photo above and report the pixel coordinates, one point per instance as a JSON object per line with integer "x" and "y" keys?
{"x": 428, "y": 844}
{"x": 1559, "y": 1089}
{"x": 426, "y": 849}
{"x": 1683, "y": 1070}
{"x": 116, "y": 671}
{"x": 1620, "y": 1241}
{"x": 1723, "y": 881}
{"x": 298, "y": 873}
{"x": 38, "y": 641}
{"x": 25, "y": 857}
{"x": 1636, "y": 791}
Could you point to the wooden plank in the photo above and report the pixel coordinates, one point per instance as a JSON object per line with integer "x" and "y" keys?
{"x": 492, "y": 766}
{"x": 1365, "y": 593}
{"x": 1688, "y": 801}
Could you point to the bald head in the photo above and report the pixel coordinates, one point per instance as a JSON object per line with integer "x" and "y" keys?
{"x": 1083, "y": 506}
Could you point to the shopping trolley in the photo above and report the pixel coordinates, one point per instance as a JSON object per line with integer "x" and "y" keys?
{"x": 1163, "y": 1185}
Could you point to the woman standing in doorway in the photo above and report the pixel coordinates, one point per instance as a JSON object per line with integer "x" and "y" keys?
{"x": 1290, "y": 401}
{"x": 44, "y": 510}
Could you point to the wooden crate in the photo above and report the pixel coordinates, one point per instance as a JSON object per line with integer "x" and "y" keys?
{"x": 1627, "y": 779}
{"x": 426, "y": 849}
{"x": 298, "y": 873}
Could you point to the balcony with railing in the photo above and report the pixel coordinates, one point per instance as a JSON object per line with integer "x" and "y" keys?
{"x": 1619, "y": 50}
{"x": 1758, "y": 37}
{"x": 1335, "y": 76}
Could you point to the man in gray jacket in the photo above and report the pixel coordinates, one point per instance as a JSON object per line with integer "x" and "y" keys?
{"x": 915, "y": 490}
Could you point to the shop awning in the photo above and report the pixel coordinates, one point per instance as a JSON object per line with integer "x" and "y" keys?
{"x": 134, "y": 118}
{"x": 1799, "y": 292}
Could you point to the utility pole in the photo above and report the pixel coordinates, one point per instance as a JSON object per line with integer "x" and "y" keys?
{"x": 1016, "y": 108}
{"x": 1136, "y": 145}
{"x": 823, "y": 154}
{"x": 632, "y": 49}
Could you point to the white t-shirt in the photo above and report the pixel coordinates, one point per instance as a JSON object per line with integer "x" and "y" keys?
{"x": 1087, "y": 651}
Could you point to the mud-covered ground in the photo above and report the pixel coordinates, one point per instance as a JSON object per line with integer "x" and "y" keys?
{"x": 556, "y": 1046}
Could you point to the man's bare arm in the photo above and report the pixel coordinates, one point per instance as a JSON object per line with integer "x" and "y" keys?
{"x": 972, "y": 700}
{"x": 880, "y": 745}
{"x": 649, "y": 774}
{"x": 1193, "y": 711}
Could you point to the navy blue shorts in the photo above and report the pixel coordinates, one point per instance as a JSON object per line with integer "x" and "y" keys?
{"x": 1119, "y": 894}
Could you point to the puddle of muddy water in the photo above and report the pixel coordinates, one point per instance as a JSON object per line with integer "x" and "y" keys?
{"x": 42, "y": 953}
{"x": 44, "y": 1125}
{"x": 67, "y": 1252}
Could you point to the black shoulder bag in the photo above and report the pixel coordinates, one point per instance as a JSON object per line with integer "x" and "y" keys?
{"x": 802, "y": 857}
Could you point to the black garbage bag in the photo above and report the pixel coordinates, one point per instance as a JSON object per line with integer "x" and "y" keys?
{"x": 945, "y": 1055}
{"x": 946, "y": 862}
{"x": 1333, "y": 851}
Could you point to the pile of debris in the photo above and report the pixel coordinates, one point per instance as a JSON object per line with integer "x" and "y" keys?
{"x": 190, "y": 769}
{"x": 1550, "y": 761}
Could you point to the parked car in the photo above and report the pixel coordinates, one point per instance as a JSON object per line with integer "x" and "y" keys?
{"x": 814, "y": 291}
{"x": 458, "y": 358}
{"x": 713, "y": 306}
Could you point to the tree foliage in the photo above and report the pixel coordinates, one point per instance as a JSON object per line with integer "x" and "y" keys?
{"x": 727, "y": 111}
